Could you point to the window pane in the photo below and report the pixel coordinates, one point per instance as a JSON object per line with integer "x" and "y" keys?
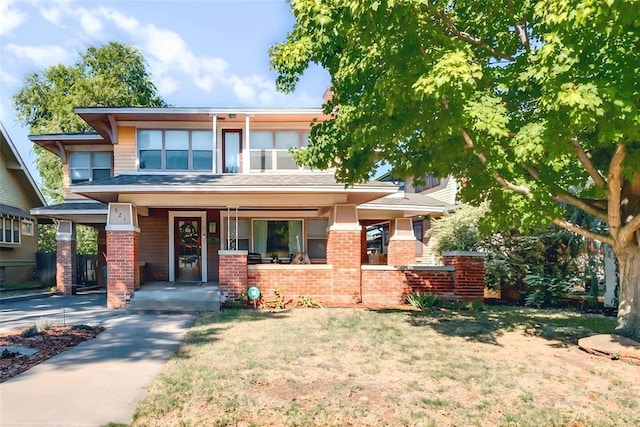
{"x": 231, "y": 152}
{"x": 150, "y": 139}
{"x": 176, "y": 139}
{"x": 101, "y": 174}
{"x": 285, "y": 140}
{"x": 317, "y": 228}
{"x": 177, "y": 159}
{"x": 101, "y": 160}
{"x": 260, "y": 160}
{"x": 7, "y": 230}
{"x": 151, "y": 159}
{"x": 16, "y": 231}
{"x": 317, "y": 248}
{"x": 261, "y": 140}
{"x": 1, "y": 229}
{"x": 285, "y": 161}
{"x": 79, "y": 175}
{"x": 305, "y": 138}
{"x": 202, "y": 140}
{"x": 202, "y": 160}
{"x": 243, "y": 228}
{"x": 79, "y": 160}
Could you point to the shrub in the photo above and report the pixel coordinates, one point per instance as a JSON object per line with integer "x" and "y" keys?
{"x": 543, "y": 291}
{"x": 43, "y": 324}
{"x": 422, "y": 301}
{"x": 31, "y": 331}
{"x": 458, "y": 230}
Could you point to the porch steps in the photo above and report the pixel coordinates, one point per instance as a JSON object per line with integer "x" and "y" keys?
{"x": 172, "y": 298}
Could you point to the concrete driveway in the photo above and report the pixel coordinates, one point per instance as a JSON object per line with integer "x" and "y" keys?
{"x": 97, "y": 382}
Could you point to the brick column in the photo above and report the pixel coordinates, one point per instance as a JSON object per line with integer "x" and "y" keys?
{"x": 344, "y": 251}
{"x": 65, "y": 257}
{"x": 402, "y": 243}
{"x": 123, "y": 275}
{"x": 468, "y": 274}
{"x": 232, "y": 271}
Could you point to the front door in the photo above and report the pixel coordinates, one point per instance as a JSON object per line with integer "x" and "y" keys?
{"x": 188, "y": 249}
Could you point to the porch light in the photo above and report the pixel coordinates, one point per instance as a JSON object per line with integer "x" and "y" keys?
{"x": 232, "y": 116}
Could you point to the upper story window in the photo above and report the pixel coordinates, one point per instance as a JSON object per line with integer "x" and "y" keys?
{"x": 269, "y": 150}
{"x": 429, "y": 183}
{"x": 180, "y": 150}
{"x": 89, "y": 166}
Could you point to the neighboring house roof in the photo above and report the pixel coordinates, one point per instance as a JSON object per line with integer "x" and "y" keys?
{"x": 16, "y": 164}
{"x": 90, "y": 211}
{"x": 13, "y": 211}
{"x": 412, "y": 202}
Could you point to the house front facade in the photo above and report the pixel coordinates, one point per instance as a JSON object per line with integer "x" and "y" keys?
{"x": 189, "y": 195}
{"x": 18, "y": 228}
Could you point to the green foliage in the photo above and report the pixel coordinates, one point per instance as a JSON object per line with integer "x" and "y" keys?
{"x": 306, "y": 302}
{"x": 29, "y": 332}
{"x": 544, "y": 291}
{"x": 423, "y": 301}
{"x": 43, "y": 324}
{"x": 111, "y": 75}
{"x": 458, "y": 230}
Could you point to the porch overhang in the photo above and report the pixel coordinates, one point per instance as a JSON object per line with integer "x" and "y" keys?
{"x": 401, "y": 205}
{"x": 292, "y": 191}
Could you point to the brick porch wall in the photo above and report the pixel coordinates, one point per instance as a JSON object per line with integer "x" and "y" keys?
{"x": 401, "y": 252}
{"x": 232, "y": 269}
{"x": 344, "y": 255}
{"x": 469, "y": 274}
{"x": 123, "y": 274}
{"x": 65, "y": 265}
{"x": 293, "y": 281}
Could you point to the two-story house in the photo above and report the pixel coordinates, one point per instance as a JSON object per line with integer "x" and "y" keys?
{"x": 213, "y": 195}
{"x": 18, "y": 229}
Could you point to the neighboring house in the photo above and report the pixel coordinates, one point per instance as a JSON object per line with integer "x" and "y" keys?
{"x": 214, "y": 195}
{"x": 424, "y": 204}
{"x": 18, "y": 229}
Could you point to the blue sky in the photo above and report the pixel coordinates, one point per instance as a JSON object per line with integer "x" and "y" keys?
{"x": 200, "y": 52}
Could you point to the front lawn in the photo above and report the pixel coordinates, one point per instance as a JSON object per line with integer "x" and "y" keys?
{"x": 337, "y": 367}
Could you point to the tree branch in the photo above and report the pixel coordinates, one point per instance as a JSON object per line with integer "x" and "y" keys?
{"x": 614, "y": 191}
{"x": 630, "y": 228}
{"x": 583, "y": 232}
{"x": 464, "y": 36}
{"x": 585, "y": 159}
{"x": 483, "y": 159}
{"x": 524, "y": 37}
{"x": 564, "y": 196}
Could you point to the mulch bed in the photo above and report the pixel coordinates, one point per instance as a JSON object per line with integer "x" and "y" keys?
{"x": 49, "y": 342}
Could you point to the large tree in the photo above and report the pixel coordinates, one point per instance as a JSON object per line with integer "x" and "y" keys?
{"x": 111, "y": 75}
{"x": 533, "y": 105}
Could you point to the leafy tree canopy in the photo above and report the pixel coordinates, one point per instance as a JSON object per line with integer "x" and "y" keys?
{"x": 112, "y": 75}
{"x": 532, "y": 105}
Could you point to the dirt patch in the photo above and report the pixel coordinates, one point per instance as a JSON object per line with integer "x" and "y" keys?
{"x": 48, "y": 342}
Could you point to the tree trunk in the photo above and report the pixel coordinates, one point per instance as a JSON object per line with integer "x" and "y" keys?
{"x": 629, "y": 303}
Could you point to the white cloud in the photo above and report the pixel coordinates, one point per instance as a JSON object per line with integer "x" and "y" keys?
{"x": 10, "y": 17}
{"x": 90, "y": 24}
{"x": 7, "y": 78}
{"x": 54, "y": 13}
{"x": 43, "y": 56}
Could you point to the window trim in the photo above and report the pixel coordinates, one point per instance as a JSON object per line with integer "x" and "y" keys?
{"x": 90, "y": 166}
{"x": 163, "y": 151}
{"x": 13, "y": 233}
{"x": 27, "y": 227}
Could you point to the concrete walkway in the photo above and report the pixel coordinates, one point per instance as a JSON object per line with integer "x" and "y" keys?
{"x": 98, "y": 381}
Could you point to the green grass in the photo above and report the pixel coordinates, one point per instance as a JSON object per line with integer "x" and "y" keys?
{"x": 334, "y": 367}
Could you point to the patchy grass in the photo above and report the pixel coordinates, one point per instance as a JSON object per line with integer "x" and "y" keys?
{"x": 10, "y": 289}
{"x": 500, "y": 366}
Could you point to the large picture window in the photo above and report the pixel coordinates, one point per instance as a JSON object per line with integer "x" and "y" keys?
{"x": 89, "y": 166}
{"x": 269, "y": 150}
{"x": 277, "y": 238}
{"x": 175, "y": 150}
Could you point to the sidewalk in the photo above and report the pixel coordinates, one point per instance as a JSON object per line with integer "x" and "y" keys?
{"x": 100, "y": 380}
